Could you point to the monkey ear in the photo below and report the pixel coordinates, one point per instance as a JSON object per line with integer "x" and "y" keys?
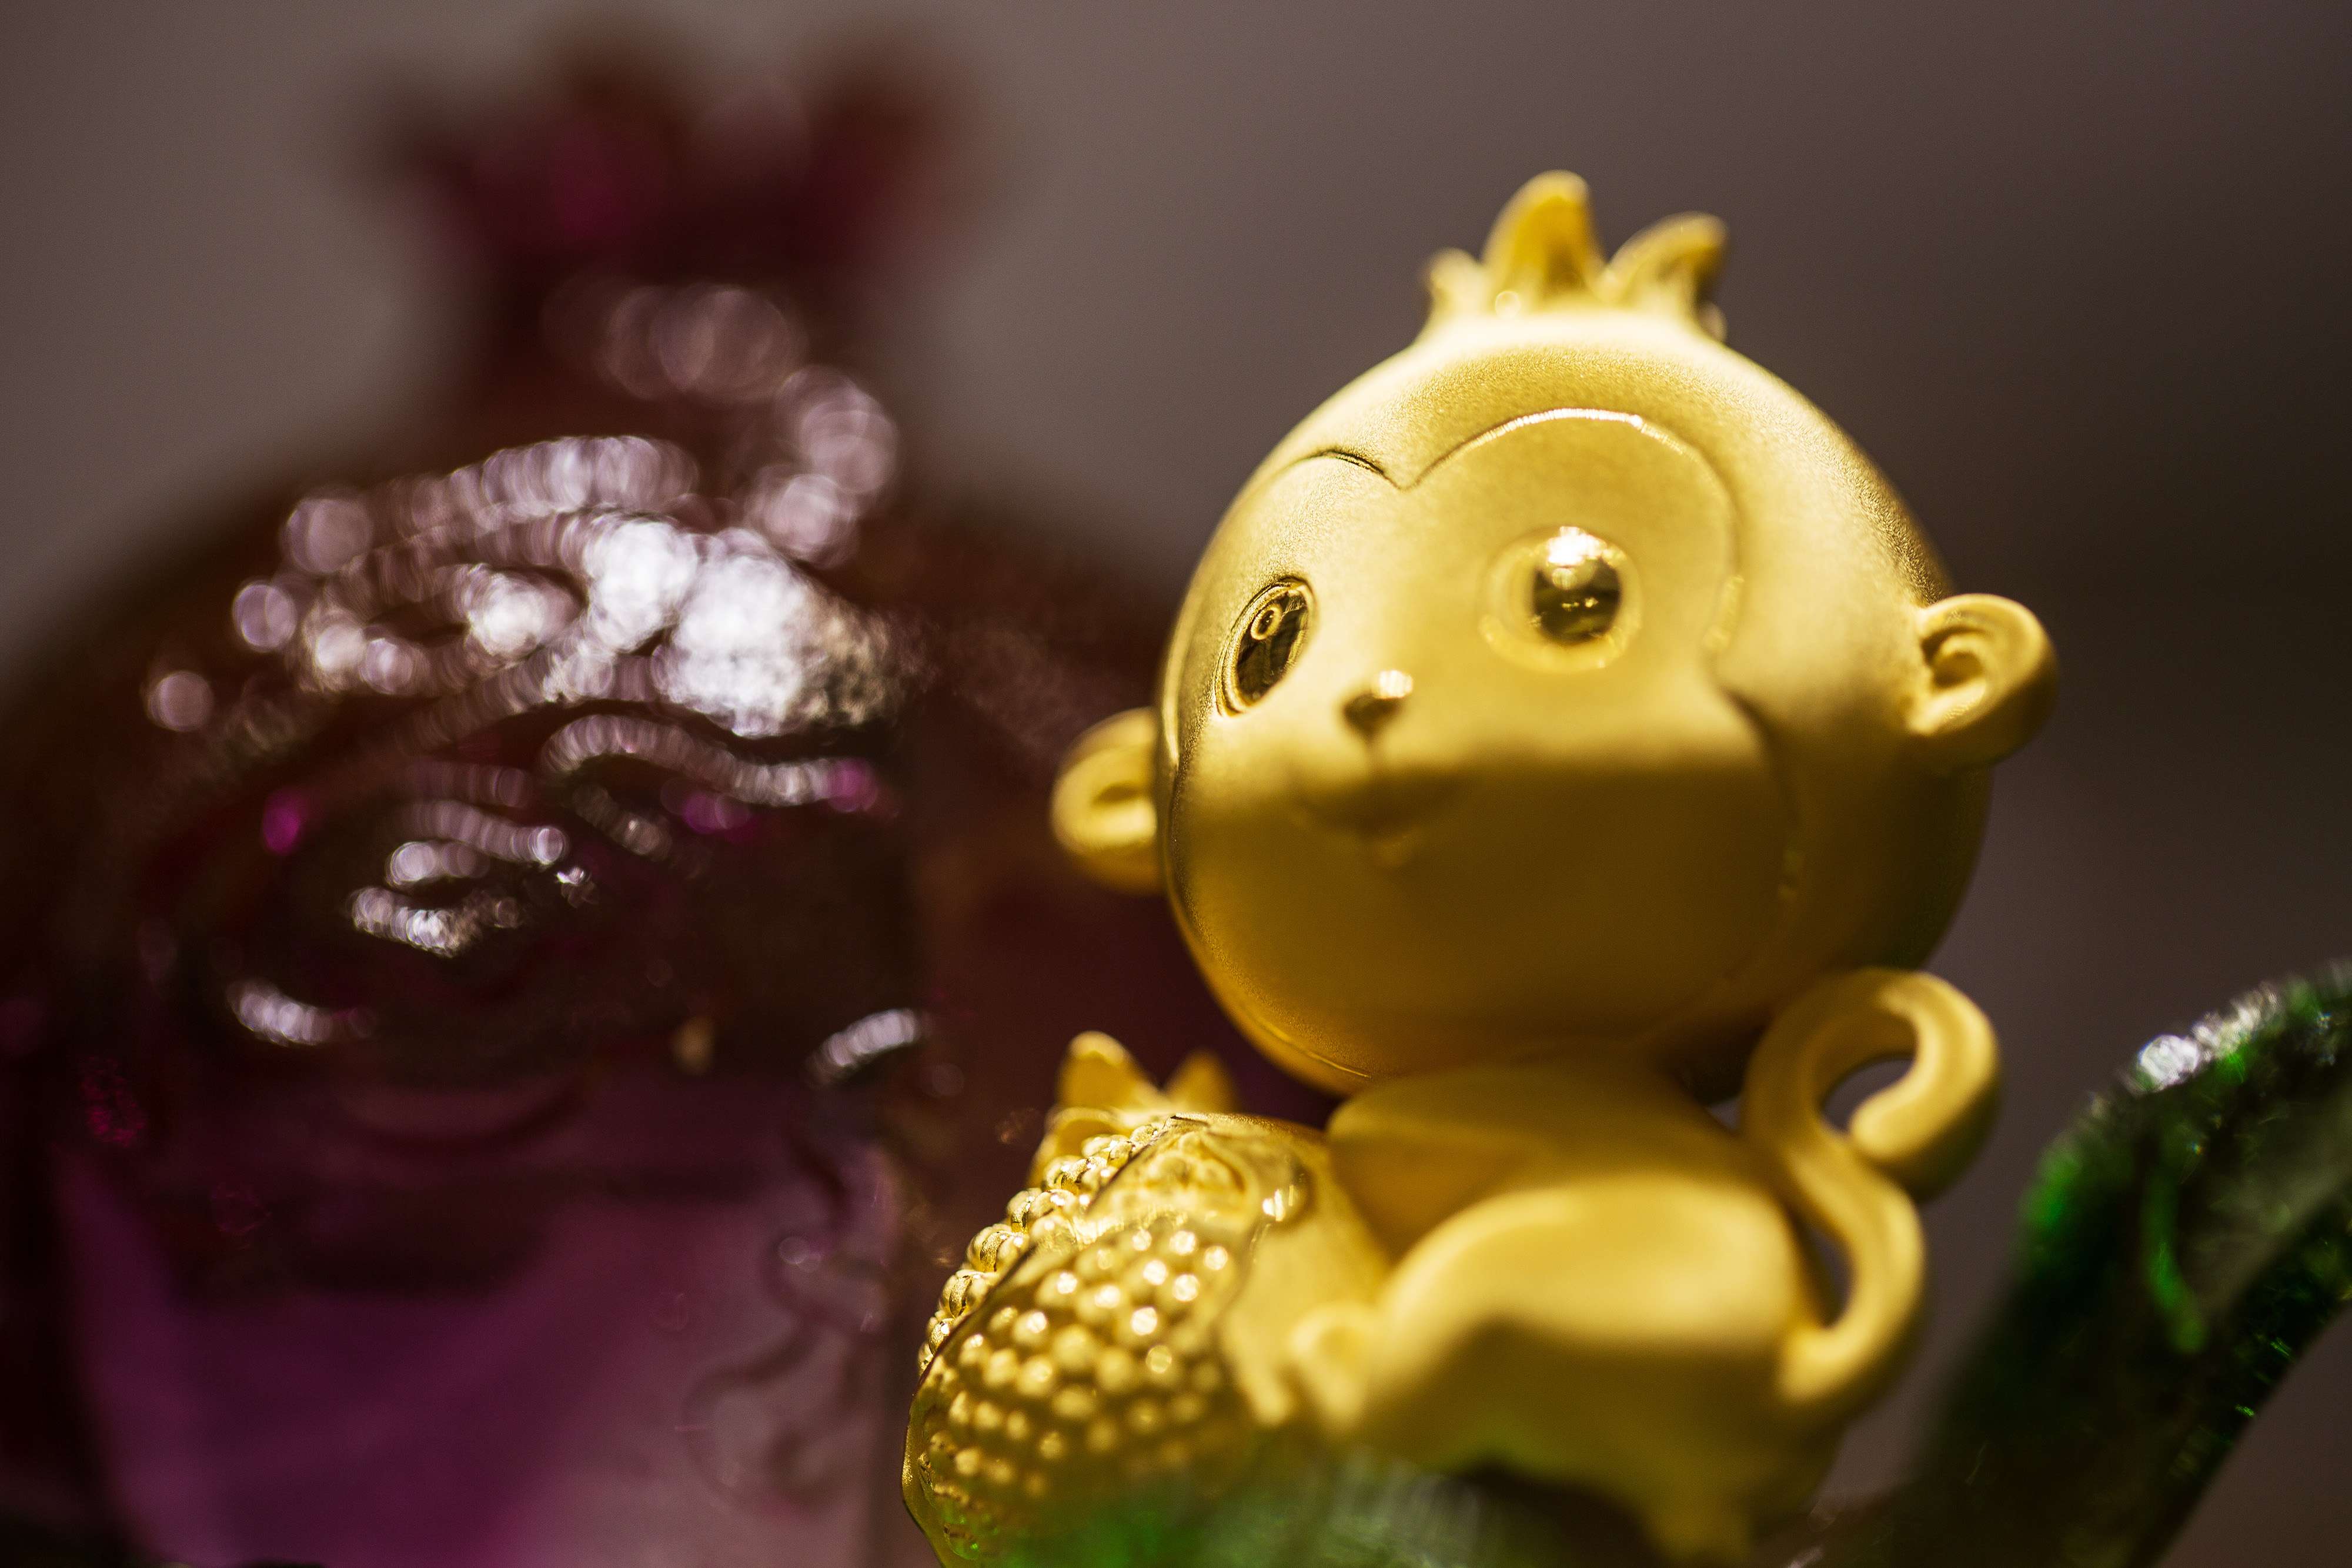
{"x": 1986, "y": 680}
{"x": 1104, "y": 813}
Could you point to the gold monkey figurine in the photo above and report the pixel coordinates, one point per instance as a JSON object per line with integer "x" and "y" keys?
{"x": 1566, "y": 729}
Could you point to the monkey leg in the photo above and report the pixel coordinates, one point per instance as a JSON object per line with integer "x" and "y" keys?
{"x": 1618, "y": 1334}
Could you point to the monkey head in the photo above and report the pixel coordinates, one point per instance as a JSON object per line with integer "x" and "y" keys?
{"x": 1566, "y": 684}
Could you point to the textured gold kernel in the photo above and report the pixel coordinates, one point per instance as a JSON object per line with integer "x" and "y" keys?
{"x": 1062, "y": 1287}
{"x": 1016, "y": 1427}
{"x": 1214, "y": 1259}
{"x": 1101, "y": 1304}
{"x": 1102, "y": 1437}
{"x": 1140, "y": 1325}
{"x": 1184, "y": 1243}
{"x": 1001, "y": 1472}
{"x": 1161, "y": 1366}
{"x": 1030, "y": 1332}
{"x": 994, "y": 1248}
{"x": 1053, "y": 1447}
{"x": 1075, "y": 1349}
{"x": 1115, "y": 1372}
{"x": 1032, "y": 1207}
{"x": 1144, "y": 1417}
{"x": 1004, "y": 1366}
{"x": 1186, "y": 1408}
{"x": 1001, "y": 1321}
{"x": 1074, "y": 1403}
{"x": 968, "y": 1462}
{"x": 1037, "y": 1379}
{"x": 1184, "y": 1290}
{"x": 987, "y": 1416}
{"x": 972, "y": 1354}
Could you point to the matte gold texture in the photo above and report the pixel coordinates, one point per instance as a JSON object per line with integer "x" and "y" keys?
{"x": 1568, "y": 727}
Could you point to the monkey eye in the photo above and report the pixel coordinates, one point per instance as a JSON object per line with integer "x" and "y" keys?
{"x": 1573, "y": 591}
{"x": 1267, "y": 642}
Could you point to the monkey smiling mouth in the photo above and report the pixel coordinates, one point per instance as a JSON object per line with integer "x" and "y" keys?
{"x": 1386, "y": 811}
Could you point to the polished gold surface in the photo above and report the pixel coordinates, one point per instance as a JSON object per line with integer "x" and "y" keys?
{"x": 1567, "y": 727}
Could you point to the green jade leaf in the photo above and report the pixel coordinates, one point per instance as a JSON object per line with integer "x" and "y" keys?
{"x": 2181, "y": 1247}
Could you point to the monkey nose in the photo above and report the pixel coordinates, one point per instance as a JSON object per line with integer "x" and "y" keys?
{"x": 1369, "y": 710}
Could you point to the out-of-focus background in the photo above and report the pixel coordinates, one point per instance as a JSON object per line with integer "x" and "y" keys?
{"x": 2076, "y": 275}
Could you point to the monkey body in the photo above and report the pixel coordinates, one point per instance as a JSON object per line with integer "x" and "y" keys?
{"x": 1595, "y": 1282}
{"x": 1560, "y": 1264}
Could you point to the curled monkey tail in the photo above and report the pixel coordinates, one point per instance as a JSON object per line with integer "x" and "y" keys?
{"x": 1856, "y": 1187}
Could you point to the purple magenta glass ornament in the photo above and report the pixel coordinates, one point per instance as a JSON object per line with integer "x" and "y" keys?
{"x": 502, "y": 936}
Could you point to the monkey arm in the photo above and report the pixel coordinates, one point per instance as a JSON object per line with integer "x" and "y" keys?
{"x": 1412, "y": 1152}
